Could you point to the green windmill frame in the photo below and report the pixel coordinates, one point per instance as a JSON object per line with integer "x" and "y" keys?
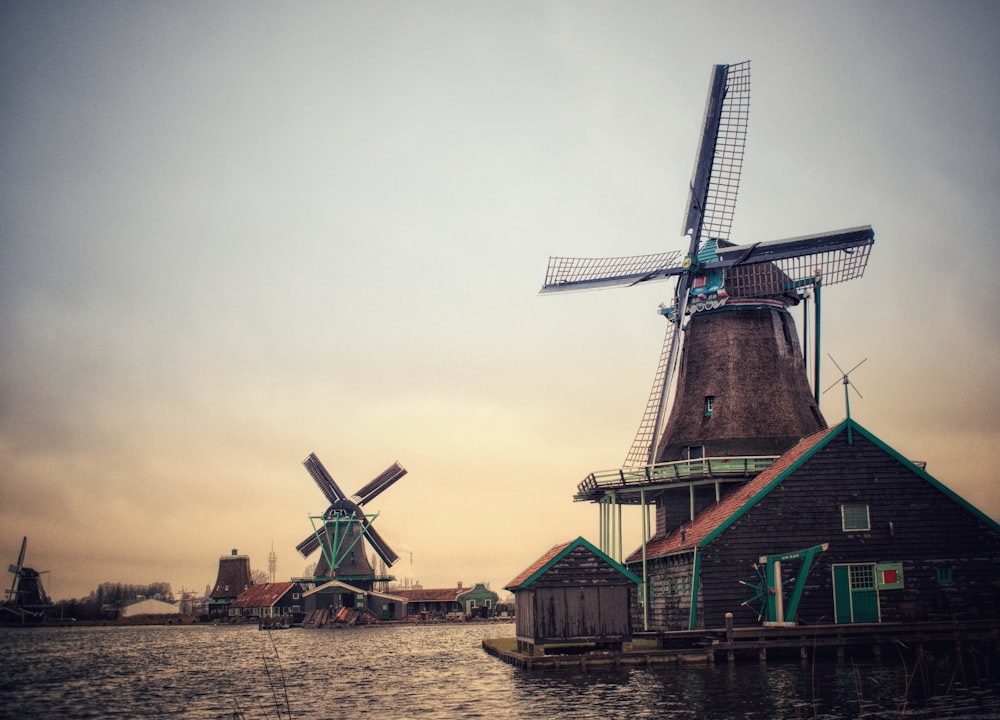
{"x": 334, "y": 546}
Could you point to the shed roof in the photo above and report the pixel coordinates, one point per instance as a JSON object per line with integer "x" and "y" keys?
{"x": 334, "y": 585}
{"x": 429, "y": 594}
{"x": 557, "y": 553}
{"x": 263, "y": 595}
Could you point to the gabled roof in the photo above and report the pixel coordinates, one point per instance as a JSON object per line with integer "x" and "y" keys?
{"x": 715, "y": 519}
{"x": 263, "y": 595}
{"x": 335, "y": 585}
{"x": 557, "y": 553}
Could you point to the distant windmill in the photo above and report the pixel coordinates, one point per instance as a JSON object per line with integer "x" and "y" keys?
{"x": 26, "y": 599}
{"x": 742, "y": 387}
{"x": 341, "y": 531}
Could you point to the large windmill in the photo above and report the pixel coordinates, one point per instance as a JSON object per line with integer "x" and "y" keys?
{"x": 731, "y": 352}
{"x": 342, "y": 531}
{"x": 26, "y": 599}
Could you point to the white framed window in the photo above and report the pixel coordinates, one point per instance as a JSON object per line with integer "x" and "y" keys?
{"x": 855, "y": 518}
{"x": 709, "y": 405}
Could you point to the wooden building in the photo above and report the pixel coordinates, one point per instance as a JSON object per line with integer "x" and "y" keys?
{"x": 847, "y": 528}
{"x": 331, "y": 596}
{"x": 270, "y": 600}
{"x": 432, "y": 602}
{"x": 478, "y": 600}
{"x": 574, "y": 593}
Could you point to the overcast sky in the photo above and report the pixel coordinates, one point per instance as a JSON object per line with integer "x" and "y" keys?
{"x": 234, "y": 233}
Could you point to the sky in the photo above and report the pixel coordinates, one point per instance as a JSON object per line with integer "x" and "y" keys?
{"x": 234, "y": 233}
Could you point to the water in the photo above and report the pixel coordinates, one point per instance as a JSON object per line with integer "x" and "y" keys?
{"x": 428, "y": 672}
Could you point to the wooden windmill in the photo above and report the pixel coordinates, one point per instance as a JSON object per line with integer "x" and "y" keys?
{"x": 731, "y": 351}
{"x": 342, "y": 531}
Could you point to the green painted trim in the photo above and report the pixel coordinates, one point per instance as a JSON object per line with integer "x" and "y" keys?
{"x": 581, "y": 542}
{"x": 695, "y": 585}
{"x": 937, "y": 484}
{"x": 770, "y": 486}
{"x": 850, "y": 425}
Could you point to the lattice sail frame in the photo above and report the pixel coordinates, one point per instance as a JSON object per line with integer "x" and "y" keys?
{"x": 715, "y": 181}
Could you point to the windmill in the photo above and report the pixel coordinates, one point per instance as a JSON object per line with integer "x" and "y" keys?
{"x": 340, "y": 532}
{"x": 731, "y": 352}
{"x": 26, "y": 599}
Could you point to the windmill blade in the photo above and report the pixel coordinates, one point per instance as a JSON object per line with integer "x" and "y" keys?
{"x": 379, "y": 545}
{"x": 20, "y": 559}
{"x": 643, "y": 446}
{"x": 566, "y": 274}
{"x": 380, "y": 484}
{"x": 326, "y": 484}
{"x": 719, "y": 159}
{"x": 20, "y": 555}
{"x": 780, "y": 266}
{"x": 308, "y": 546}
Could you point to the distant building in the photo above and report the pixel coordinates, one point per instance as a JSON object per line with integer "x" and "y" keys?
{"x": 150, "y": 606}
{"x": 325, "y": 601}
{"x": 234, "y": 577}
{"x": 479, "y": 601}
{"x": 269, "y": 600}
{"x": 432, "y": 602}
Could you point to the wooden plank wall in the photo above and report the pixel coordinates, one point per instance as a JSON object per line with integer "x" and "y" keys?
{"x": 911, "y": 522}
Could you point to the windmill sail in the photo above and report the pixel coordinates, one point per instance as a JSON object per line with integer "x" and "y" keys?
{"x": 645, "y": 436}
{"x": 719, "y": 159}
{"x": 326, "y": 483}
{"x": 380, "y": 484}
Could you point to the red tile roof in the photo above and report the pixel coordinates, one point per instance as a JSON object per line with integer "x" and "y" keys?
{"x": 263, "y": 595}
{"x": 712, "y": 517}
{"x": 537, "y": 565}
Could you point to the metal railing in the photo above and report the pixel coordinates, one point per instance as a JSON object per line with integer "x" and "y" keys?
{"x": 677, "y": 471}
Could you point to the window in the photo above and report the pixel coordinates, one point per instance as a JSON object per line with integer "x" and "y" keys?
{"x": 862, "y": 577}
{"x": 855, "y": 518}
{"x": 945, "y": 576}
{"x": 709, "y": 405}
{"x": 695, "y": 452}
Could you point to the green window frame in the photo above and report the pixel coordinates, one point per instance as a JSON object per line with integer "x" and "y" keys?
{"x": 945, "y": 575}
{"x": 855, "y": 518}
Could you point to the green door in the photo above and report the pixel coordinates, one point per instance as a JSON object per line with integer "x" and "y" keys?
{"x": 855, "y": 594}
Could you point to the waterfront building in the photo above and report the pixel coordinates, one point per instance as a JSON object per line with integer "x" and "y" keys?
{"x": 574, "y": 593}
{"x": 839, "y": 529}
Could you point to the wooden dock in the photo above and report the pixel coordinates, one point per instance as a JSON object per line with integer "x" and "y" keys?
{"x": 875, "y": 640}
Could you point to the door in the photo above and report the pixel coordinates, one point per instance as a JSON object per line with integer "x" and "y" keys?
{"x": 855, "y": 595}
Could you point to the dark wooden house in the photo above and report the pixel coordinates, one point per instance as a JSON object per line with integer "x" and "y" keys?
{"x": 334, "y": 595}
{"x": 574, "y": 593}
{"x": 432, "y": 602}
{"x": 270, "y": 600}
{"x": 840, "y": 529}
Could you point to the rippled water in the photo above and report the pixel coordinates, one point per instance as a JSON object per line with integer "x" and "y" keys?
{"x": 429, "y": 672}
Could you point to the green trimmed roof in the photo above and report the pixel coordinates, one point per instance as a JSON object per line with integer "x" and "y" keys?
{"x": 714, "y": 520}
{"x": 557, "y": 553}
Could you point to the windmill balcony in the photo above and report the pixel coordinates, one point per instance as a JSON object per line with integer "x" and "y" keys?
{"x": 628, "y": 483}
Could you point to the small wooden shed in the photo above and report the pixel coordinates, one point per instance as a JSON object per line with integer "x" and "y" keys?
{"x": 574, "y": 593}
